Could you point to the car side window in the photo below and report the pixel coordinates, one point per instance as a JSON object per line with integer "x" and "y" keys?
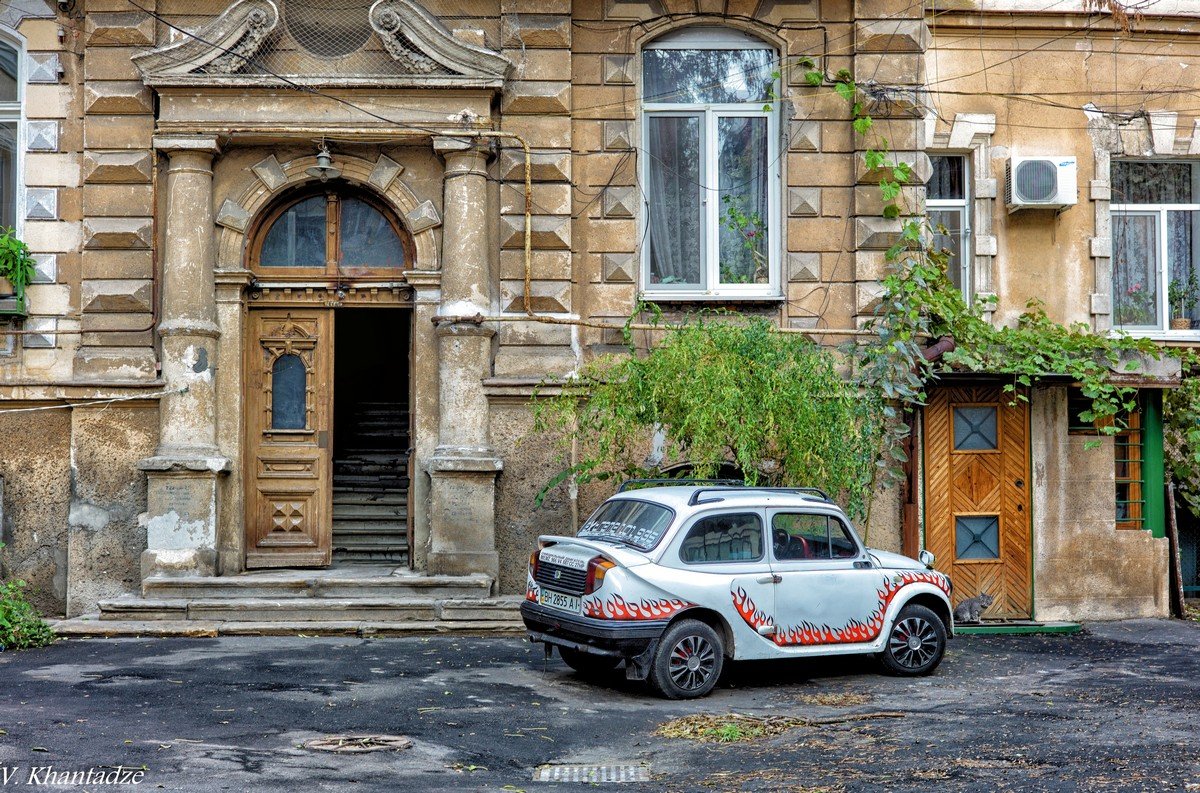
{"x": 798, "y": 535}
{"x": 723, "y": 538}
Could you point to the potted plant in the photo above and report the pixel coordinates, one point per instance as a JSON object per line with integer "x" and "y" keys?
{"x": 16, "y": 265}
{"x": 1182, "y": 295}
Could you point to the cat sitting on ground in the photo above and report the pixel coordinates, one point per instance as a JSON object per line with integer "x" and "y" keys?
{"x": 970, "y": 609}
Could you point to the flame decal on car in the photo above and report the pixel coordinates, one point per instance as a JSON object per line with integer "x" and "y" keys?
{"x": 614, "y": 607}
{"x": 853, "y": 632}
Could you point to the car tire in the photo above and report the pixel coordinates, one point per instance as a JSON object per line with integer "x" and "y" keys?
{"x": 915, "y": 644}
{"x": 588, "y": 664}
{"x": 688, "y": 661}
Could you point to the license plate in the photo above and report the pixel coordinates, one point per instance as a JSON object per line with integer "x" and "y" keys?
{"x": 558, "y": 600}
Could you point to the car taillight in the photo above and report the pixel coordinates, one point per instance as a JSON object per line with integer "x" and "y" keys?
{"x": 596, "y": 570}
{"x": 533, "y": 562}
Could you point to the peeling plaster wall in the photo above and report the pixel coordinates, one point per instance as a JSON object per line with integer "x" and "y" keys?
{"x": 1084, "y": 568}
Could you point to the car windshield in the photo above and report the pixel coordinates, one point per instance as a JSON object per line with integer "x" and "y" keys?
{"x": 636, "y": 523}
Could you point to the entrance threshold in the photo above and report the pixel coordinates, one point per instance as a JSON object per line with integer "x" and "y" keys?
{"x": 1000, "y": 627}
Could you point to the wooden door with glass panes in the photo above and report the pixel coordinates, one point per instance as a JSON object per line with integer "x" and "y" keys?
{"x": 977, "y": 520}
{"x": 289, "y": 417}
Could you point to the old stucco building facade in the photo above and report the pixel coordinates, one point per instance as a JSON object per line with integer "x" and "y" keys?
{"x": 271, "y": 237}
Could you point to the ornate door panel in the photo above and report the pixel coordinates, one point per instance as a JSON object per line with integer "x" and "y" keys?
{"x": 977, "y": 520}
{"x": 289, "y": 416}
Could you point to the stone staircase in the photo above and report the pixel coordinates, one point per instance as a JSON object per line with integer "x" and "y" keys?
{"x": 354, "y": 599}
{"x": 370, "y": 484}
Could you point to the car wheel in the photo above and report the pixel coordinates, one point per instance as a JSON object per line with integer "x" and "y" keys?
{"x": 688, "y": 661}
{"x": 588, "y": 664}
{"x": 916, "y": 643}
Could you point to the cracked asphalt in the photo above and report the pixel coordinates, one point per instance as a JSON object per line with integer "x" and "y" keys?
{"x": 1114, "y": 709}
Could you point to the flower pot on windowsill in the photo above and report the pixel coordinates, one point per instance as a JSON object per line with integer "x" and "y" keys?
{"x": 6, "y": 287}
{"x": 1181, "y": 323}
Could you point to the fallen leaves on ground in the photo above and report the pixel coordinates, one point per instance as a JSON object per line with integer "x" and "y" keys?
{"x": 737, "y": 727}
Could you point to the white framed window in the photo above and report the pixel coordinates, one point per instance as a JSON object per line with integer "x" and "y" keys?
{"x": 710, "y": 166}
{"x": 1156, "y": 246}
{"x": 11, "y": 96}
{"x": 948, "y": 207}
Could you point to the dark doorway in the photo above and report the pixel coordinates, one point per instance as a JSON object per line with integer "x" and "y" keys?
{"x": 371, "y": 435}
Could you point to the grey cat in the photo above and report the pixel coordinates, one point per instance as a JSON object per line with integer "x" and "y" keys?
{"x": 970, "y": 609}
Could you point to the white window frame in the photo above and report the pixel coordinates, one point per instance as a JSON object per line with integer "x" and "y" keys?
{"x": 711, "y": 288}
{"x": 14, "y": 113}
{"x": 965, "y": 212}
{"x": 1159, "y": 211}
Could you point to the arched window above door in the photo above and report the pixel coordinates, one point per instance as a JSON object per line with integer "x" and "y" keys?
{"x": 331, "y": 234}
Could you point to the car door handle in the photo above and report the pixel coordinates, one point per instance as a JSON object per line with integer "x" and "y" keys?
{"x": 769, "y": 579}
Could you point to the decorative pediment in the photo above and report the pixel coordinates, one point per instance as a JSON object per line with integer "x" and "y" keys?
{"x": 257, "y": 42}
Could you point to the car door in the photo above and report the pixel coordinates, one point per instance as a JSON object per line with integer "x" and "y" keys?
{"x": 720, "y": 562}
{"x": 827, "y": 590}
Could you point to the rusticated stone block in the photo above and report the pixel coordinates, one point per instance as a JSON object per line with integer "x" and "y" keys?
{"x": 617, "y": 70}
{"x": 619, "y": 202}
{"x": 876, "y": 232}
{"x": 45, "y": 268}
{"x": 546, "y": 166}
{"x": 618, "y": 135}
{"x": 118, "y": 200}
{"x": 546, "y": 31}
{"x": 233, "y": 216}
{"x": 548, "y": 232}
{"x": 804, "y": 136}
{"x": 41, "y": 136}
{"x": 918, "y": 161}
{"x": 125, "y": 296}
{"x": 116, "y": 264}
{"x": 270, "y": 173}
{"x": 119, "y": 29}
{"x": 425, "y": 216}
{"x": 41, "y": 203}
{"x": 804, "y": 201}
{"x": 117, "y": 97}
{"x": 891, "y": 35}
{"x": 100, "y": 233}
{"x": 114, "y": 363}
{"x": 537, "y": 98}
{"x": 118, "y": 132}
{"x": 551, "y": 297}
{"x": 382, "y": 175}
{"x": 117, "y": 167}
{"x": 44, "y": 67}
{"x": 618, "y": 268}
{"x": 804, "y": 266}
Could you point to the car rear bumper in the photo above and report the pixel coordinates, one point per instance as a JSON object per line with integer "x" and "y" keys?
{"x": 602, "y": 637}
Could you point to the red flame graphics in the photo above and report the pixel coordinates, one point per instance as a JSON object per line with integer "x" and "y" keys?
{"x": 853, "y": 632}
{"x": 614, "y": 607}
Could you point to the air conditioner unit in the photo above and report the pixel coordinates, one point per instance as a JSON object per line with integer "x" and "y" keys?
{"x": 1041, "y": 183}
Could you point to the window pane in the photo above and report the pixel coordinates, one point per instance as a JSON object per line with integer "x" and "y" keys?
{"x": 948, "y": 179}
{"x": 289, "y": 393}
{"x": 975, "y": 429}
{"x": 637, "y": 522}
{"x": 742, "y": 186}
{"x": 840, "y": 544}
{"x": 8, "y": 73}
{"x": 1135, "y": 270}
{"x": 297, "y": 238}
{"x": 707, "y": 76}
{"x": 368, "y": 239}
{"x": 800, "y": 536}
{"x": 8, "y": 174}
{"x": 723, "y": 538}
{"x": 675, "y": 220}
{"x": 977, "y": 537}
{"x": 1184, "y": 288}
{"x": 1152, "y": 183}
{"x": 952, "y": 240}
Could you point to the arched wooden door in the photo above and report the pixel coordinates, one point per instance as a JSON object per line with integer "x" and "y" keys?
{"x": 977, "y": 504}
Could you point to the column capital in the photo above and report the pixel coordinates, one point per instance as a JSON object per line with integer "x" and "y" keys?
{"x": 200, "y": 144}
{"x": 450, "y": 147}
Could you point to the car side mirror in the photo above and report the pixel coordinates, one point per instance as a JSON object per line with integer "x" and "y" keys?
{"x": 926, "y": 558}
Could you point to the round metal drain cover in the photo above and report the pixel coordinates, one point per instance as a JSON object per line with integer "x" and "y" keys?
{"x": 356, "y": 744}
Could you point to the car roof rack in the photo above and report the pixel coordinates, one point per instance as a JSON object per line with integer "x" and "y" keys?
{"x": 668, "y": 482}
{"x": 804, "y": 491}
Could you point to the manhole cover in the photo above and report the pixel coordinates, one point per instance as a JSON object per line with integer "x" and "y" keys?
{"x": 592, "y": 773}
{"x": 354, "y": 744}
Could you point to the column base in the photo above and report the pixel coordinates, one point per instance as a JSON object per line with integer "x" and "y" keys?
{"x": 182, "y": 562}
{"x": 181, "y": 514}
{"x": 463, "y": 512}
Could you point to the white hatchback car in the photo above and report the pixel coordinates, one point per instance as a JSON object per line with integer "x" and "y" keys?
{"x": 673, "y": 580}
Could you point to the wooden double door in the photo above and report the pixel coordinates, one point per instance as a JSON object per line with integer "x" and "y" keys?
{"x": 977, "y": 502}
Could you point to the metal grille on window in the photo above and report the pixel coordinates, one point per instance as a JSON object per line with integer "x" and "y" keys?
{"x": 289, "y": 393}
{"x": 975, "y": 429}
{"x": 977, "y": 537}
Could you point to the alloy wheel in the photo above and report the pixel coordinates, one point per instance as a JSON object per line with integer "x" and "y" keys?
{"x": 693, "y": 661}
{"x": 913, "y": 642}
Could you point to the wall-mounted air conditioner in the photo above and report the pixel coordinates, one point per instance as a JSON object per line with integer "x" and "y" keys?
{"x": 1041, "y": 183}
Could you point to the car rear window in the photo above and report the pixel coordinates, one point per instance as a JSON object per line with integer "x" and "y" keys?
{"x": 637, "y": 523}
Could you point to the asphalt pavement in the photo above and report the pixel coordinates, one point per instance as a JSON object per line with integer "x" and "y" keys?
{"x": 1117, "y": 708}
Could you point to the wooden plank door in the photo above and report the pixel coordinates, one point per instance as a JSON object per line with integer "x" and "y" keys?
{"x": 977, "y": 519}
{"x": 289, "y": 418}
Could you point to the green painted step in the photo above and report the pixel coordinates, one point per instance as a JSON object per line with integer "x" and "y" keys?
{"x": 1017, "y": 627}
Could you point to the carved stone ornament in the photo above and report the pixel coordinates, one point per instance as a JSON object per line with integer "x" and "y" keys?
{"x": 222, "y": 47}
{"x": 229, "y": 50}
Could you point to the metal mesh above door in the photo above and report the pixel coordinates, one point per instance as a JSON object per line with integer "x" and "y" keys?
{"x": 328, "y": 28}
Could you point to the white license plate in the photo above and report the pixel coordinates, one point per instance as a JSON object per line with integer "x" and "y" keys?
{"x": 558, "y": 600}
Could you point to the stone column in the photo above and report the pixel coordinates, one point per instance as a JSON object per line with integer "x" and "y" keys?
{"x": 181, "y": 516}
{"x": 464, "y": 467}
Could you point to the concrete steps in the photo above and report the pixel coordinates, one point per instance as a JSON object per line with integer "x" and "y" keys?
{"x": 369, "y": 583}
{"x": 314, "y": 610}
